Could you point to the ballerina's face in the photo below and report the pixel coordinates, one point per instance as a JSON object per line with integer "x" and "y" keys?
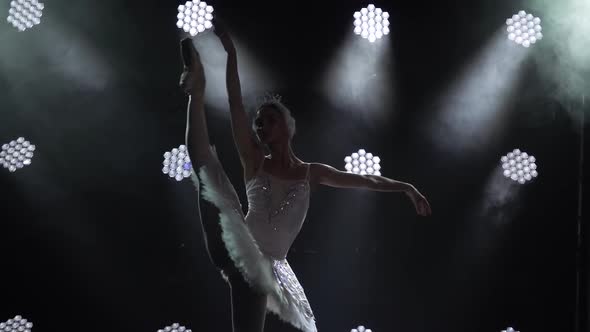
{"x": 270, "y": 125}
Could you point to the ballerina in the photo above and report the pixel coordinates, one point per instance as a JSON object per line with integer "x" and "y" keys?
{"x": 250, "y": 250}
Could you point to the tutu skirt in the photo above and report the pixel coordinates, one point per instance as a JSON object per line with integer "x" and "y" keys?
{"x": 275, "y": 278}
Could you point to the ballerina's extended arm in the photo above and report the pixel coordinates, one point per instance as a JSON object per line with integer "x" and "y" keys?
{"x": 248, "y": 149}
{"x": 330, "y": 176}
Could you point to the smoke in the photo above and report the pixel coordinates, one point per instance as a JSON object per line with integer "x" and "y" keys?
{"x": 564, "y": 53}
{"x": 73, "y": 57}
{"x": 474, "y": 109}
{"x": 254, "y": 79}
{"x": 359, "y": 79}
{"x": 498, "y": 204}
{"x": 54, "y": 48}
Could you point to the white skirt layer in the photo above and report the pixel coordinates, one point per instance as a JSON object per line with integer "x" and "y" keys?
{"x": 285, "y": 296}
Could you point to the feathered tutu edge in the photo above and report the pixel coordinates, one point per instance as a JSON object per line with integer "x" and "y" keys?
{"x": 256, "y": 267}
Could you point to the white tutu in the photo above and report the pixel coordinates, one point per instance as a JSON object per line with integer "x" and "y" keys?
{"x": 285, "y": 296}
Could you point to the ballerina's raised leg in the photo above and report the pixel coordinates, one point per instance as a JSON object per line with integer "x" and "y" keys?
{"x": 248, "y": 305}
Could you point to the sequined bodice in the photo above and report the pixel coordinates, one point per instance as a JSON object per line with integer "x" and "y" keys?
{"x": 276, "y": 211}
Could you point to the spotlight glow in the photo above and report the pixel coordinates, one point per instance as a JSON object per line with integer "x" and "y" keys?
{"x": 371, "y": 23}
{"x": 361, "y": 329}
{"x": 177, "y": 163}
{"x": 16, "y": 324}
{"x": 519, "y": 166}
{"x": 25, "y": 14}
{"x": 363, "y": 163}
{"x": 509, "y": 330}
{"x": 16, "y": 154}
{"x": 175, "y": 328}
{"x": 524, "y": 29}
{"x": 194, "y": 17}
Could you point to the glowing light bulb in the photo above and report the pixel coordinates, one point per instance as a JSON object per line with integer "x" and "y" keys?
{"x": 371, "y": 23}
{"x": 524, "y": 29}
{"x": 362, "y": 162}
{"x": 177, "y": 164}
{"x": 518, "y": 166}
{"x": 195, "y": 17}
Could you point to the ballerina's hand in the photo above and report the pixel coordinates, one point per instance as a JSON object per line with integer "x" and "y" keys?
{"x": 420, "y": 203}
{"x": 192, "y": 79}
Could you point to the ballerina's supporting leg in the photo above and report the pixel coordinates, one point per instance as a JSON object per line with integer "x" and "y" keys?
{"x": 248, "y": 306}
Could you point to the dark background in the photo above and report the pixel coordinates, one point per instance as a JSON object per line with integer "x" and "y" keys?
{"x": 95, "y": 237}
